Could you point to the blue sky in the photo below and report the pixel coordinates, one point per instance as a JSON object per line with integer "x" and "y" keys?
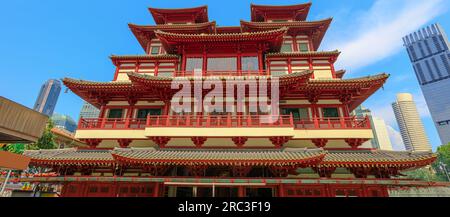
{"x": 55, "y": 39}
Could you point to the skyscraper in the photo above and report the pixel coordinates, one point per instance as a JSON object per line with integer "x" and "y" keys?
{"x": 89, "y": 111}
{"x": 411, "y": 127}
{"x": 64, "y": 122}
{"x": 380, "y": 134}
{"x": 48, "y": 96}
{"x": 429, "y": 52}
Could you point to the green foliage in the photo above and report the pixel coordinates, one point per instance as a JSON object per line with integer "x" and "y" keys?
{"x": 443, "y": 153}
{"x": 16, "y": 148}
{"x": 425, "y": 174}
{"x": 47, "y": 140}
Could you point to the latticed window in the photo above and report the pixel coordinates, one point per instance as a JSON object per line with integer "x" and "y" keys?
{"x": 297, "y": 113}
{"x": 222, "y": 64}
{"x": 194, "y": 63}
{"x": 330, "y": 112}
{"x": 155, "y": 50}
{"x": 142, "y": 113}
{"x": 286, "y": 47}
{"x": 115, "y": 113}
{"x": 249, "y": 64}
{"x": 303, "y": 47}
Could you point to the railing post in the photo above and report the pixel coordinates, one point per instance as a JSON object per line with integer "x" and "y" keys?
{"x": 102, "y": 125}
{"x": 291, "y": 120}
{"x": 249, "y": 120}
{"x": 208, "y": 120}
{"x": 127, "y": 123}
{"x": 114, "y": 123}
{"x": 167, "y": 120}
{"x": 329, "y": 123}
{"x": 147, "y": 122}
{"x": 343, "y": 125}
{"x": 188, "y": 120}
{"x": 229, "y": 120}
{"x": 316, "y": 122}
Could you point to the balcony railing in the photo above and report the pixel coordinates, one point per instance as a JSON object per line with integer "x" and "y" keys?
{"x": 222, "y": 73}
{"x": 224, "y": 121}
{"x": 221, "y": 121}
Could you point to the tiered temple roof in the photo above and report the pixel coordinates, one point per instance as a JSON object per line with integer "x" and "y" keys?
{"x": 231, "y": 157}
{"x": 297, "y": 12}
{"x": 184, "y": 15}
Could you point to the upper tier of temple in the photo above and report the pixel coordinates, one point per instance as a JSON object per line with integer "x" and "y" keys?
{"x": 194, "y": 21}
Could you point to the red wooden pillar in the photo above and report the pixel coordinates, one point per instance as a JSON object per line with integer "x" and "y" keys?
{"x": 102, "y": 111}
{"x": 281, "y": 190}
{"x": 260, "y": 59}
{"x": 116, "y": 73}
{"x": 155, "y": 73}
{"x": 241, "y": 191}
{"x": 156, "y": 190}
{"x": 311, "y": 67}
{"x": 294, "y": 43}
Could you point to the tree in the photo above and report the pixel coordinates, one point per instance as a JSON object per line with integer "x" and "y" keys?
{"x": 425, "y": 174}
{"x": 443, "y": 158}
{"x": 47, "y": 140}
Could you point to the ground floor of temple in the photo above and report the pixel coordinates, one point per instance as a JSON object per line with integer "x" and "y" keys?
{"x": 231, "y": 187}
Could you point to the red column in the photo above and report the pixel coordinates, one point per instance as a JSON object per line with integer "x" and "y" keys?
{"x": 294, "y": 43}
{"x": 281, "y": 190}
{"x": 241, "y": 191}
{"x": 156, "y": 190}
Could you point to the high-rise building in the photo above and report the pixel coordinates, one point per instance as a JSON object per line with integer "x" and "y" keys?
{"x": 64, "y": 122}
{"x": 48, "y": 96}
{"x": 429, "y": 52}
{"x": 380, "y": 134}
{"x": 411, "y": 127}
{"x": 89, "y": 111}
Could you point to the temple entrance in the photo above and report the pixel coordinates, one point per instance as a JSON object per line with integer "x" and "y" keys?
{"x": 217, "y": 190}
{"x": 259, "y": 192}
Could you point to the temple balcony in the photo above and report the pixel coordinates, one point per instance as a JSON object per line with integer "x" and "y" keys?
{"x": 239, "y": 130}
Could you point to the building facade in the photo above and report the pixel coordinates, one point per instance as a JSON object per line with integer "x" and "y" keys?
{"x": 48, "y": 97}
{"x": 410, "y": 124}
{"x": 429, "y": 53}
{"x": 380, "y": 134}
{"x": 89, "y": 111}
{"x": 64, "y": 122}
{"x": 183, "y": 119}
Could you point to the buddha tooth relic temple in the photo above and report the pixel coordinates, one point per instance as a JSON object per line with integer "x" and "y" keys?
{"x": 228, "y": 111}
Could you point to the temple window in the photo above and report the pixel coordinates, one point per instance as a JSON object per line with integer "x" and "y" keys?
{"x": 194, "y": 63}
{"x": 249, "y": 63}
{"x": 297, "y": 113}
{"x": 222, "y": 64}
{"x": 286, "y": 47}
{"x": 303, "y": 47}
{"x": 115, "y": 113}
{"x": 331, "y": 112}
{"x": 155, "y": 50}
{"x": 142, "y": 113}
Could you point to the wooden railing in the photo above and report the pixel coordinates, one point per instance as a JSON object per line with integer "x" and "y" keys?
{"x": 223, "y": 73}
{"x": 220, "y": 121}
{"x": 225, "y": 121}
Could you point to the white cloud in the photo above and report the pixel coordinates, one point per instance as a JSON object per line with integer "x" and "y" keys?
{"x": 396, "y": 138}
{"x": 378, "y": 32}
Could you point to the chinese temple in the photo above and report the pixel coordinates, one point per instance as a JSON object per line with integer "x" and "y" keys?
{"x": 141, "y": 145}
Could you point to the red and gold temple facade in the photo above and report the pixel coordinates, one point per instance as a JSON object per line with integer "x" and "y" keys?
{"x": 141, "y": 146}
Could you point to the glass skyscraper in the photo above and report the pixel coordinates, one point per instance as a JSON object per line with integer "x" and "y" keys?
{"x": 48, "y": 96}
{"x": 428, "y": 50}
{"x": 64, "y": 122}
{"x": 89, "y": 111}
